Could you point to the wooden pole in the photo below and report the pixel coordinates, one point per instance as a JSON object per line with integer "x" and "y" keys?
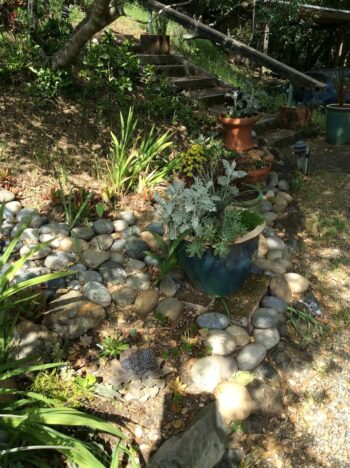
{"x": 233, "y": 45}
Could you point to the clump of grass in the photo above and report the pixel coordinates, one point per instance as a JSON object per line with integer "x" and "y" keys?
{"x": 310, "y": 326}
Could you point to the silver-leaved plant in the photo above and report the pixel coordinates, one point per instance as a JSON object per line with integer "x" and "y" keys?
{"x": 188, "y": 210}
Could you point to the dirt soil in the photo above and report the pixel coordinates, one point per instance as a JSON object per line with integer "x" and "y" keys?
{"x": 313, "y": 431}
{"x": 313, "y": 369}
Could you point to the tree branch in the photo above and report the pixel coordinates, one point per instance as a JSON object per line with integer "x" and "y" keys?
{"x": 103, "y": 13}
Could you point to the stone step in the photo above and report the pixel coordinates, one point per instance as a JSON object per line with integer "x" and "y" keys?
{"x": 177, "y": 70}
{"x": 209, "y": 96}
{"x": 283, "y": 137}
{"x": 266, "y": 123}
{"x": 194, "y": 82}
{"x": 159, "y": 59}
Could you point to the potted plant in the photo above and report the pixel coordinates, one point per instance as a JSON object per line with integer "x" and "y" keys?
{"x": 338, "y": 115}
{"x": 220, "y": 238}
{"x": 157, "y": 41}
{"x": 239, "y": 119}
{"x": 257, "y": 169}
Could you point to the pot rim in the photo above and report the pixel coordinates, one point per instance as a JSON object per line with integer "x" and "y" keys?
{"x": 337, "y": 107}
{"x": 239, "y": 120}
{"x": 251, "y": 234}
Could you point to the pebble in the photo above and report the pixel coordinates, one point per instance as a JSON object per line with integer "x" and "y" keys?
{"x": 168, "y": 286}
{"x": 120, "y": 225}
{"x": 268, "y": 337}
{"x": 25, "y": 215}
{"x": 16, "y": 230}
{"x": 150, "y": 240}
{"x": 55, "y": 229}
{"x": 170, "y": 308}
{"x": 128, "y": 216}
{"x": 67, "y": 244}
{"x": 6, "y": 196}
{"x": 208, "y": 371}
{"x": 268, "y": 265}
{"x": 280, "y": 207}
{"x": 50, "y": 239}
{"x": 102, "y": 242}
{"x": 112, "y": 272}
{"x": 131, "y": 231}
{"x": 240, "y": 335}
{"x": 233, "y": 401}
{"x": 275, "y": 243}
{"x": 103, "y": 226}
{"x": 94, "y": 258}
{"x": 263, "y": 247}
{"x": 156, "y": 228}
{"x": 270, "y": 194}
{"x": 274, "y": 254}
{"x": 213, "y": 321}
{"x": 251, "y": 356}
{"x": 265, "y": 318}
{"x": 140, "y": 281}
{"x": 74, "y": 285}
{"x": 135, "y": 248}
{"x": 118, "y": 245}
{"x": 30, "y": 236}
{"x": 97, "y": 293}
{"x": 270, "y": 217}
{"x": 265, "y": 206}
{"x": 90, "y": 275}
{"x": 151, "y": 261}
{"x": 283, "y": 185}
{"x": 297, "y": 283}
{"x": 38, "y": 254}
{"x": 123, "y": 295}
{"x": 83, "y": 232}
{"x": 273, "y": 179}
{"x": 146, "y": 301}
{"x": 276, "y": 303}
{"x": 220, "y": 342}
{"x": 285, "y": 196}
{"x": 38, "y": 221}
{"x": 135, "y": 265}
{"x": 279, "y": 287}
{"x": 57, "y": 261}
{"x": 14, "y": 206}
{"x": 117, "y": 257}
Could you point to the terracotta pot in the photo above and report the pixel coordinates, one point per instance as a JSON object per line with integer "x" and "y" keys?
{"x": 154, "y": 44}
{"x": 238, "y": 132}
{"x": 293, "y": 117}
{"x": 255, "y": 176}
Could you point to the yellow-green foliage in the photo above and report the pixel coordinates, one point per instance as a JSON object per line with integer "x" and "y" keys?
{"x": 192, "y": 160}
{"x": 63, "y": 390}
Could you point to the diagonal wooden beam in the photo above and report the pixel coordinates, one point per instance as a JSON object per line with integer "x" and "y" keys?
{"x": 293, "y": 75}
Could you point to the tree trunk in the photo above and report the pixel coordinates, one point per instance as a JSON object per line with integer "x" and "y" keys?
{"x": 103, "y": 12}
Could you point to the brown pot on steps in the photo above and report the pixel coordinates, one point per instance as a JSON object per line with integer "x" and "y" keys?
{"x": 154, "y": 44}
{"x": 238, "y": 132}
{"x": 255, "y": 176}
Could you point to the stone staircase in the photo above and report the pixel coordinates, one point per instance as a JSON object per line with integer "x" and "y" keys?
{"x": 189, "y": 78}
{"x": 200, "y": 85}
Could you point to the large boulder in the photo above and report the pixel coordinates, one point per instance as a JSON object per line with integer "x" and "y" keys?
{"x": 72, "y": 315}
{"x": 33, "y": 341}
{"x": 201, "y": 445}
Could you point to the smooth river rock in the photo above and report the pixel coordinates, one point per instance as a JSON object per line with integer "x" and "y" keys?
{"x": 265, "y": 318}
{"x": 297, "y": 283}
{"x": 213, "y": 321}
{"x": 251, "y": 356}
{"x": 220, "y": 342}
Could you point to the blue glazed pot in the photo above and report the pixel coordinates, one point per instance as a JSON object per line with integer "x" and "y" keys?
{"x": 217, "y": 276}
